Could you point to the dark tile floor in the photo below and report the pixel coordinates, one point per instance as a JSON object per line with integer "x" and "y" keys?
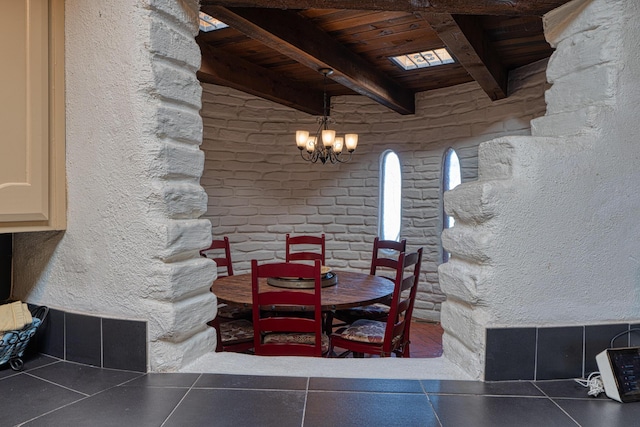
{"x": 50, "y": 392}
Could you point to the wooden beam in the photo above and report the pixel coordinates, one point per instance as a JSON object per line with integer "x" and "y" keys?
{"x": 465, "y": 39}
{"x": 226, "y": 70}
{"x": 290, "y": 34}
{"x": 461, "y": 7}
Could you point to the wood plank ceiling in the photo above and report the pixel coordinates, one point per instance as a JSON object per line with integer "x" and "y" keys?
{"x": 274, "y": 48}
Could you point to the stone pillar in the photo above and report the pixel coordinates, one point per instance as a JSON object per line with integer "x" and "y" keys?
{"x": 542, "y": 238}
{"x": 133, "y": 168}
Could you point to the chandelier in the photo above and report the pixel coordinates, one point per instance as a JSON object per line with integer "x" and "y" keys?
{"x": 325, "y": 145}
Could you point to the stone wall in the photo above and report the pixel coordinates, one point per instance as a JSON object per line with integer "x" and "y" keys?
{"x": 260, "y": 189}
{"x": 546, "y": 236}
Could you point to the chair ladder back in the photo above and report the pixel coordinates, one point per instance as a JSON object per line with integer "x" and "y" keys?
{"x": 389, "y": 248}
{"x": 284, "y": 321}
{"x": 289, "y": 324}
{"x": 305, "y": 253}
{"x": 401, "y": 310}
{"x": 221, "y": 261}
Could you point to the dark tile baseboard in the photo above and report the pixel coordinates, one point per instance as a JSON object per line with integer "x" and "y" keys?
{"x": 552, "y": 352}
{"x": 103, "y": 342}
{"x": 6, "y": 253}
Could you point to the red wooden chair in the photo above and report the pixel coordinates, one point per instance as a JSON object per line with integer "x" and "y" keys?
{"x": 234, "y": 330}
{"x": 384, "y": 262}
{"x": 283, "y": 334}
{"x": 392, "y": 336}
{"x": 301, "y": 248}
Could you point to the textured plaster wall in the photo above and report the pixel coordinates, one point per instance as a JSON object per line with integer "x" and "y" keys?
{"x": 547, "y": 235}
{"x": 133, "y": 168}
{"x": 260, "y": 189}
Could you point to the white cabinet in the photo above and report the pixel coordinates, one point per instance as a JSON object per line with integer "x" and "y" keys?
{"x": 32, "y": 157}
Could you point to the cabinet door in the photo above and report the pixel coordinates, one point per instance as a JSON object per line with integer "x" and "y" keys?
{"x": 27, "y": 119}
{"x": 23, "y": 84}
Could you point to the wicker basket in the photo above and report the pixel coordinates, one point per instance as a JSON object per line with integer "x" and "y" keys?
{"x": 13, "y": 343}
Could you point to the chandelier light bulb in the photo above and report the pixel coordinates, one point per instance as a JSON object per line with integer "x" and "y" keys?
{"x": 302, "y": 136}
{"x": 351, "y": 141}
{"x": 337, "y": 144}
{"x": 328, "y": 136}
{"x": 311, "y": 145}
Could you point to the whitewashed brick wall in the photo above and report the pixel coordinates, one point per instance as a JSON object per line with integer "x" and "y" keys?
{"x": 260, "y": 189}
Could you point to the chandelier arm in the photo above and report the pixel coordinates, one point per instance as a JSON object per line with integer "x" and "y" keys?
{"x": 339, "y": 158}
{"x": 318, "y": 149}
{"x": 307, "y": 159}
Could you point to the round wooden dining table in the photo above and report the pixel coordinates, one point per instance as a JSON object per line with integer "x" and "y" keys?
{"x": 351, "y": 290}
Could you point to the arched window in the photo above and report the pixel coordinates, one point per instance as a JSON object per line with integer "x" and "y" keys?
{"x": 451, "y": 178}
{"x": 390, "y": 210}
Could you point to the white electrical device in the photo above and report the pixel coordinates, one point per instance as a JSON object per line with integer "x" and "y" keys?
{"x": 620, "y": 372}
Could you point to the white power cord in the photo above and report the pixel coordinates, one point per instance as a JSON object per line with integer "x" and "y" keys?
{"x": 594, "y": 382}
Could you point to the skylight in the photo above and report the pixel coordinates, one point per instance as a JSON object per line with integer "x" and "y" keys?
{"x": 428, "y": 58}
{"x": 209, "y": 23}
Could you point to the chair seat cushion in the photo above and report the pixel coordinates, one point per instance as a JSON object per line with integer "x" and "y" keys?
{"x": 236, "y": 331}
{"x": 234, "y": 311}
{"x": 364, "y": 330}
{"x": 297, "y": 338}
{"x": 371, "y": 312}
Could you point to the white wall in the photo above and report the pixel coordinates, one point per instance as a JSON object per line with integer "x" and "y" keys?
{"x": 133, "y": 166}
{"x": 547, "y": 236}
{"x": 260, "y": 189}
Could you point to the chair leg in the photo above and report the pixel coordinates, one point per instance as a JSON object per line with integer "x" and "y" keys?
{"x": 215, "y": 323}
{"x": 403, "y": 351}
{"x": 328, "y": 323}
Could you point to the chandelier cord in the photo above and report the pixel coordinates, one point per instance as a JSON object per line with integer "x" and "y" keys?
{"x": 325, "y": 111}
